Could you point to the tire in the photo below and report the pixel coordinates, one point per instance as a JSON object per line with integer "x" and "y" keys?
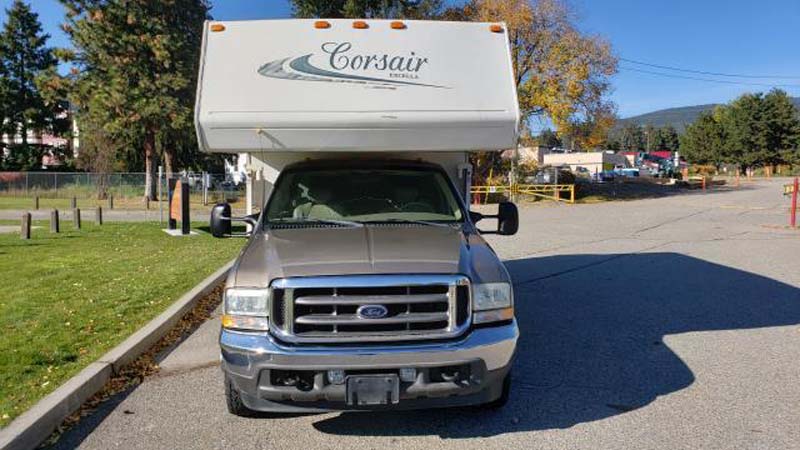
{"x": 504, "y": 396}
{"x": 233, "y": 399}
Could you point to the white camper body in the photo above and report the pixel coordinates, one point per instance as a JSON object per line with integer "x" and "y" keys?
{"x": 280, "y": 91}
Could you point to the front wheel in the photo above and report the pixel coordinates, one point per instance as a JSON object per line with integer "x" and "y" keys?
{"x": 233, "y": 399}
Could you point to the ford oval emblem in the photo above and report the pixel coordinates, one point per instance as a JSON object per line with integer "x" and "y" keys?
{"x": 372, "y": 312}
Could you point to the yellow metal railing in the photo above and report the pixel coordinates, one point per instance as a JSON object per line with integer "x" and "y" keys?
{"x": 558, "y": 192}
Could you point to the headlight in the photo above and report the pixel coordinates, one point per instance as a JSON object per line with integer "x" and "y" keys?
{"x": 492, "y": 302}
{"x": 246, "y": 309}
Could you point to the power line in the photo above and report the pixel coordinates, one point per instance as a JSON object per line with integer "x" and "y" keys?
{"x": 708, "y": 80}
{"x": 703, "y": 72}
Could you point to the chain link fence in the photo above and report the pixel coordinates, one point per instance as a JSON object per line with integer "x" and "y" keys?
{"x": 124, "y": 187}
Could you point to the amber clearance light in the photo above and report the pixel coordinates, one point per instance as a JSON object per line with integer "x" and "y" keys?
{"x": 360, "y": 25}
{"x": 397, "y": 25}
{"x": 322, "y": 24}
{"x": 496, "y": 28}
{"x": 217, "y": 27}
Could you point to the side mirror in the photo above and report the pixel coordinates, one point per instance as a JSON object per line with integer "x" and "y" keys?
{"x": 507, "y": 219}
{"x": 220, "y": 223}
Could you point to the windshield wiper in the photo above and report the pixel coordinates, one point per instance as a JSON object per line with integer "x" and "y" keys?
{"x": 344, "y": 223}
{"x": 418, "y": 222}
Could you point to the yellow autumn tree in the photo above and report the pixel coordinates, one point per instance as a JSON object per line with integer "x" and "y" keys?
{"x": 561, "y": 73}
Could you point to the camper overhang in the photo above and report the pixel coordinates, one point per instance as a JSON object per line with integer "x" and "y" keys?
{"x": 286, "y": 86}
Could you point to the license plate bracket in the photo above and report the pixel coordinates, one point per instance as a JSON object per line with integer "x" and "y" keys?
{"x": 370, "y": 390}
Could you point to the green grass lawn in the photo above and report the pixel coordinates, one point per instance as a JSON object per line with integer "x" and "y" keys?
{"x": 67, "y": 299}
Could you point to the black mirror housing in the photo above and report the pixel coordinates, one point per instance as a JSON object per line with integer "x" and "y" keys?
{"x": 507, "y": 219}
{"x": 220, "y": 223}
{"x": 475, "y": 216}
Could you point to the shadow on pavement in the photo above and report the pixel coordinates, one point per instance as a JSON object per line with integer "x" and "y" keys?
{"x": 592, "y": 340}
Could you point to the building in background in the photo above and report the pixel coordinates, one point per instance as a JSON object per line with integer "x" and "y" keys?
{"x": 60, "y": 145}
{"x": 593, "y": 162}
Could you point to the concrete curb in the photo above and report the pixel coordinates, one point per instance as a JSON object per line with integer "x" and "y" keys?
{"x": 35, "y": 425}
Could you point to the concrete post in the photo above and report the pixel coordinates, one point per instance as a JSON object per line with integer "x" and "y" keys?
{"x": 25, "y": 232}
{"x": 54, "y": 225}
{"x": 76, "y": 218}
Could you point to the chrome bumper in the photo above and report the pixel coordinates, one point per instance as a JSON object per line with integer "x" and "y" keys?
{"x": 246, "y": 356}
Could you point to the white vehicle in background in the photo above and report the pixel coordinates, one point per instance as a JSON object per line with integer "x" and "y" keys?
{"x": 365, "y": 283}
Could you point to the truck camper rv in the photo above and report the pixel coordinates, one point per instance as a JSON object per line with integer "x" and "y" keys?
{"x": 365, "y": 282}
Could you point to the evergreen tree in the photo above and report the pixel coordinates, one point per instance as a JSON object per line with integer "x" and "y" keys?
{"x": 137, "y": 66}
{"x": 632, "y": 138}
{"x": 666, "y": 139}
{"x": 745, "y": 129}
{"x": 400, "y": 9}
{"x": 782, "y": 127}
{"x": 25, "y": 57}
{"x": 704, "y": 141}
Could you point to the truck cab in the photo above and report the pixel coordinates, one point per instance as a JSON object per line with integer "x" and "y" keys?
{"x": 365, "y": 282}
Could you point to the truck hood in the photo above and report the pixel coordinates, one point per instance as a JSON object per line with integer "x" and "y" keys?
{"x": 372, "y": 249}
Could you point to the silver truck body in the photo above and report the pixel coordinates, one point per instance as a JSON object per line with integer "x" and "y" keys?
{"x": 385, "y": 264}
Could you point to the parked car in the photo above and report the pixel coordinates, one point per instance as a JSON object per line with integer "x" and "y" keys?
{"x": 604, "y": 176}
{"x": 628, "y": 172}
{"x": 547, "y": 175}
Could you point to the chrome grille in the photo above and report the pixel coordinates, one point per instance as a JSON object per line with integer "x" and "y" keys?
{"x": 325, "y": 309}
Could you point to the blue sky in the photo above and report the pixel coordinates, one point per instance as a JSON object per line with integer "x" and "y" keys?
{"x": 734, "y": 36}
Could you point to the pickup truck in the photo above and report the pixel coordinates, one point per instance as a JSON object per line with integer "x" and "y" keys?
{"x": 365, "y": 282}
{"x": 377, "y": 292}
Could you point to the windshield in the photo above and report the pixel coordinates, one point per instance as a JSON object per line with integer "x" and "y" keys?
{"x": 363, "y": 195}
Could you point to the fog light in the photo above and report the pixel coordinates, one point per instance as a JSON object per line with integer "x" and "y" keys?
{"x": 336, "y": 376}
{"x": 408, "y": 374}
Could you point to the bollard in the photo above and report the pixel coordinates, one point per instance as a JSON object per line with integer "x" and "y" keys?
{"x": 110, "y": 202}
{"x": 73, "y": 203}
{"x": 76, "y": 218}
{"x": 793, "y": 218}
{"x": 147, "y": 203}
{"x": 54, "y": 225}
{"x": 25, "y": 232}
{"x": 704, "y": 182}
{"x": 36, "y": 202}
{"x": 98, "y": 215}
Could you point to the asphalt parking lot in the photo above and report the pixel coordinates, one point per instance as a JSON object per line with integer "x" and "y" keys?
{"x": 661, "y": 323}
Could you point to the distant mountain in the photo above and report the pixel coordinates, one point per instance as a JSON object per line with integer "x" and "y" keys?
{"x": 677, "y": 117}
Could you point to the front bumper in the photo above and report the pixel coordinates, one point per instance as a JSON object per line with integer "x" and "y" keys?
{"x": 485, "y": 354}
